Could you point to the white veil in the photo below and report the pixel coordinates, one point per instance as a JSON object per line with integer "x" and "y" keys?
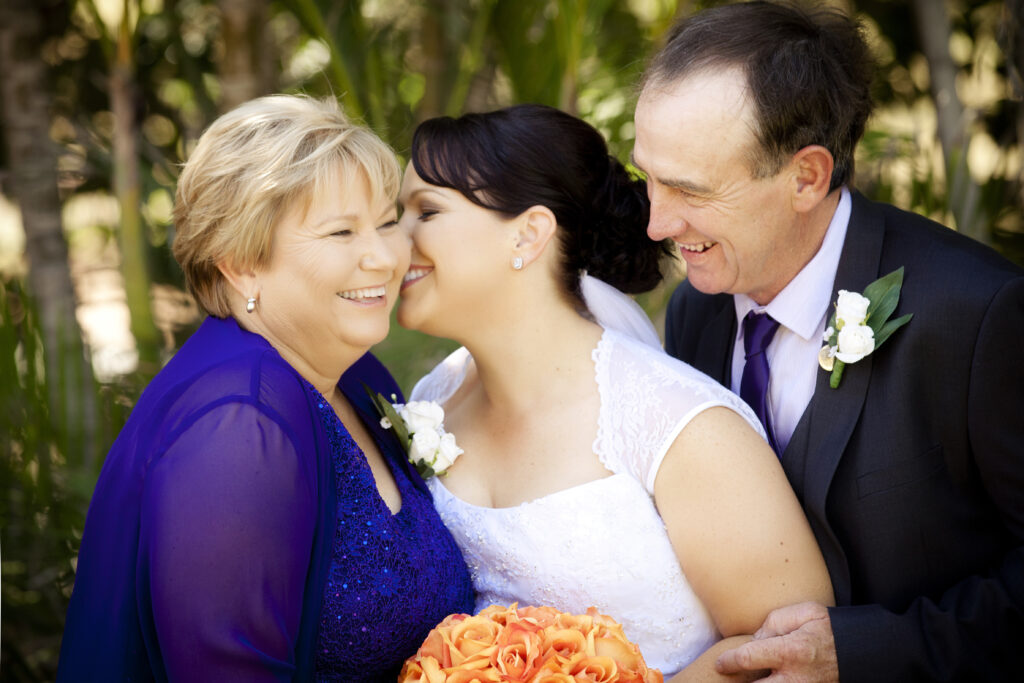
{"x": 615, "y": 310}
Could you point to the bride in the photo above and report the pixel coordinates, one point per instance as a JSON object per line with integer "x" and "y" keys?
{"x": 597, "y": 469}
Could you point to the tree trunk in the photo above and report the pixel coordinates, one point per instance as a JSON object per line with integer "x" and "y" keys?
{"x": 26, "y": 106}
{"x": 1012, "y": 13}
{"x": 243, "y": 66}
{"x": 933, "y": 29}
{"x": 570, "y": 25}
{"x": 434, "y": 60}
{"x": 134, "y": 244}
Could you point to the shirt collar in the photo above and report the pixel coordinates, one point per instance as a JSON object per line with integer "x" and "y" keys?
{"x": 802, "y": 304}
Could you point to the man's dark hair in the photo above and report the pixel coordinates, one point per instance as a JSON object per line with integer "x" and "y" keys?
{"x": 809, "y": 74}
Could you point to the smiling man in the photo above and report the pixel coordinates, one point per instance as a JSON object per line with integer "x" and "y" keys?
{"x": 911, "y": 470}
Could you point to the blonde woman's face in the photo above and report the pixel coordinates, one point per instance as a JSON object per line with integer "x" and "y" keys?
{"x": 333, "y": 278}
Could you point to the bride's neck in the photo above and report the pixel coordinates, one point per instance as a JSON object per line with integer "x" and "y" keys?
{"x": 535, "y": 354}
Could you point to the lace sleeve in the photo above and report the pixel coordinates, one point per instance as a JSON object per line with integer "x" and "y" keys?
{"x": 647, "y": 398}
{"x": 442, "y": 382}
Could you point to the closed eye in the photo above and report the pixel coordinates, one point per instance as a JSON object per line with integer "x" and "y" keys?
{"x": 427, "y": 214}
{"x": 386, "y": 226}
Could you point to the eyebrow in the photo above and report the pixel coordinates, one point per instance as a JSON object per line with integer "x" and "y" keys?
{"x": 419, "y": 191}
{"x": 348, "y": 217}
{"x": 676, "y": 184}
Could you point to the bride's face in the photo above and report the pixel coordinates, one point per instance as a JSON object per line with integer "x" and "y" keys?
{"x": 460, "y": 259}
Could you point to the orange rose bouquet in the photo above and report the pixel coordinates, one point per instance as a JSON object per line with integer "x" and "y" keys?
{"x": 528, "y": 645}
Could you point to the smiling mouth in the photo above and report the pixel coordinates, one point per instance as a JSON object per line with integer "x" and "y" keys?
{"x": 364, "y": 294}
{"x": 697, "y": 248}
{"x": 415, "y": 273}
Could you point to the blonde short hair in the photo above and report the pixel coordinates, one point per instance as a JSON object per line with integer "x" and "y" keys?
{"x": 250, "y": 167}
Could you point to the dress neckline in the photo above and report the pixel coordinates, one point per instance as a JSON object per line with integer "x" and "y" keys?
{"x": 401, "y": 482}
{"x": 574, "y": 489}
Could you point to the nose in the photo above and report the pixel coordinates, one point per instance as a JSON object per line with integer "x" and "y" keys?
{"x": 379, "y": 253}
{"x": 663, "y": 223}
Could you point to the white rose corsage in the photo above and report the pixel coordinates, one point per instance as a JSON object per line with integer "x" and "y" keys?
{"x": 860, "y": 324}
{"x": 419, "y": 426}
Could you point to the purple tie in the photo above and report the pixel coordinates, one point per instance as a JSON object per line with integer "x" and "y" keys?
{"x": 758, "y": 330}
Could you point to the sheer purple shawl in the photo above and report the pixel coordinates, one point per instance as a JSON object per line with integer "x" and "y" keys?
{"x": 208, "y": 538}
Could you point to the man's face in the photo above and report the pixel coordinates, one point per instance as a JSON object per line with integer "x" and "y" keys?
{"x": 736, "y": 233}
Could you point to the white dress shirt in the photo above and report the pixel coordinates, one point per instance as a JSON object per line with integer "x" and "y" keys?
{"x": 802, "y": 309}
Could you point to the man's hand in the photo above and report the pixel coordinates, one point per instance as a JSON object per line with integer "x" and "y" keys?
{"x": 795, "y": 642}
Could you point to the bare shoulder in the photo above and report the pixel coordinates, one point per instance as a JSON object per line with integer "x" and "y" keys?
{"x": 721, "y": 483}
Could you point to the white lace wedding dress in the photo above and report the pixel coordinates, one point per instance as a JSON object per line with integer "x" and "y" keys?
{"x": 602, "y": 543}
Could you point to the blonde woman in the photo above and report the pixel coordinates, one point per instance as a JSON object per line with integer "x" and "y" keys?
{"x": 253, "y": 522}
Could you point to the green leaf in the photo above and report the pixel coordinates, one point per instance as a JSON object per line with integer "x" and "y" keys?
{"x": 835, "y": 331}
{"x": 386, "y": 409}
{"x": 883, "y": 308}
{"x": 425, "y": 471}
{"x": 884, "y": 294}
{"x": 890, "y": 327}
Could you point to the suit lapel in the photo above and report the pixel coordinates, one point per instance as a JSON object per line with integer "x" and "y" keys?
{"x": 714, "y": 349}
{"x": 825, "y": 429}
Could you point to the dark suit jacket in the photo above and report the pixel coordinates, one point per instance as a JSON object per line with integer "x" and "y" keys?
{"x": 912, "y": 471}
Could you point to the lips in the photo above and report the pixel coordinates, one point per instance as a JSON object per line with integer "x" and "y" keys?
{"x": 415, "y": 274}
{"x": 364, "y": 294}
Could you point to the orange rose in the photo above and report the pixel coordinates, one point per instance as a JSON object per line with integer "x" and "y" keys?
{"x": 425, "y": 670}
{"x": 584, "y": 623}
{"x": 518, "y": 653}
{"x": 501, "y": 615}
{"x": 435, "y": 645}
{"x": 478, "y": 676}
{"x": 554, "y": 665}
{"x": 565, "y": 644}
{"x": 613, "y": 644}
{"x": 552, "y": 677}
{"x": 470, "y": 643}
{"x": 596, "y": 670}
{"x": 542, "y": 616}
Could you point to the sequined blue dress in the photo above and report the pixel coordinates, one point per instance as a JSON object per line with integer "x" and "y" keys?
{"x": 236, "y": 533}
{"x": 392, "y": 576}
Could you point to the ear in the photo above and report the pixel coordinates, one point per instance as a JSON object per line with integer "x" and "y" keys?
{"x": 535, "y": 228}
{"x": 242, "y": 280}
{"x": 812, "y": 175}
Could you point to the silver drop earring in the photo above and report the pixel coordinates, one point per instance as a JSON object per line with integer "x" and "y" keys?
{"x": 250, "y": 304}
{"x": 517, "y": 263}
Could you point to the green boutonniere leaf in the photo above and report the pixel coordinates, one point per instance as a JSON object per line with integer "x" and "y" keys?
{"x": 387, "y": 410}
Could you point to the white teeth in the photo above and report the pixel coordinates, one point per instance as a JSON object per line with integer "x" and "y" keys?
{"x": 697, "y": 248}
{"x": 367, "y": 293}
{"x": 415, "y": 272}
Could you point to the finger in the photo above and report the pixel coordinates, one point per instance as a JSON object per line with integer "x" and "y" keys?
{"x": 751, "y": 656}
{"x": 790, "y": 618}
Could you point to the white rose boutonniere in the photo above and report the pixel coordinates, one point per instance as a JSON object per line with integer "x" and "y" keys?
{"x": 419, "y": 426}
{"x": 861, "y": 324}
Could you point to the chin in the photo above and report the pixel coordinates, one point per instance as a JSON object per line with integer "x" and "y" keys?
{"x": 366, "y": 337}
{"x": 409, "y": 317}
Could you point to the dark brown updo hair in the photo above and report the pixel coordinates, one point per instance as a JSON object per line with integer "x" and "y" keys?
{"x": 527, "y": 155}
